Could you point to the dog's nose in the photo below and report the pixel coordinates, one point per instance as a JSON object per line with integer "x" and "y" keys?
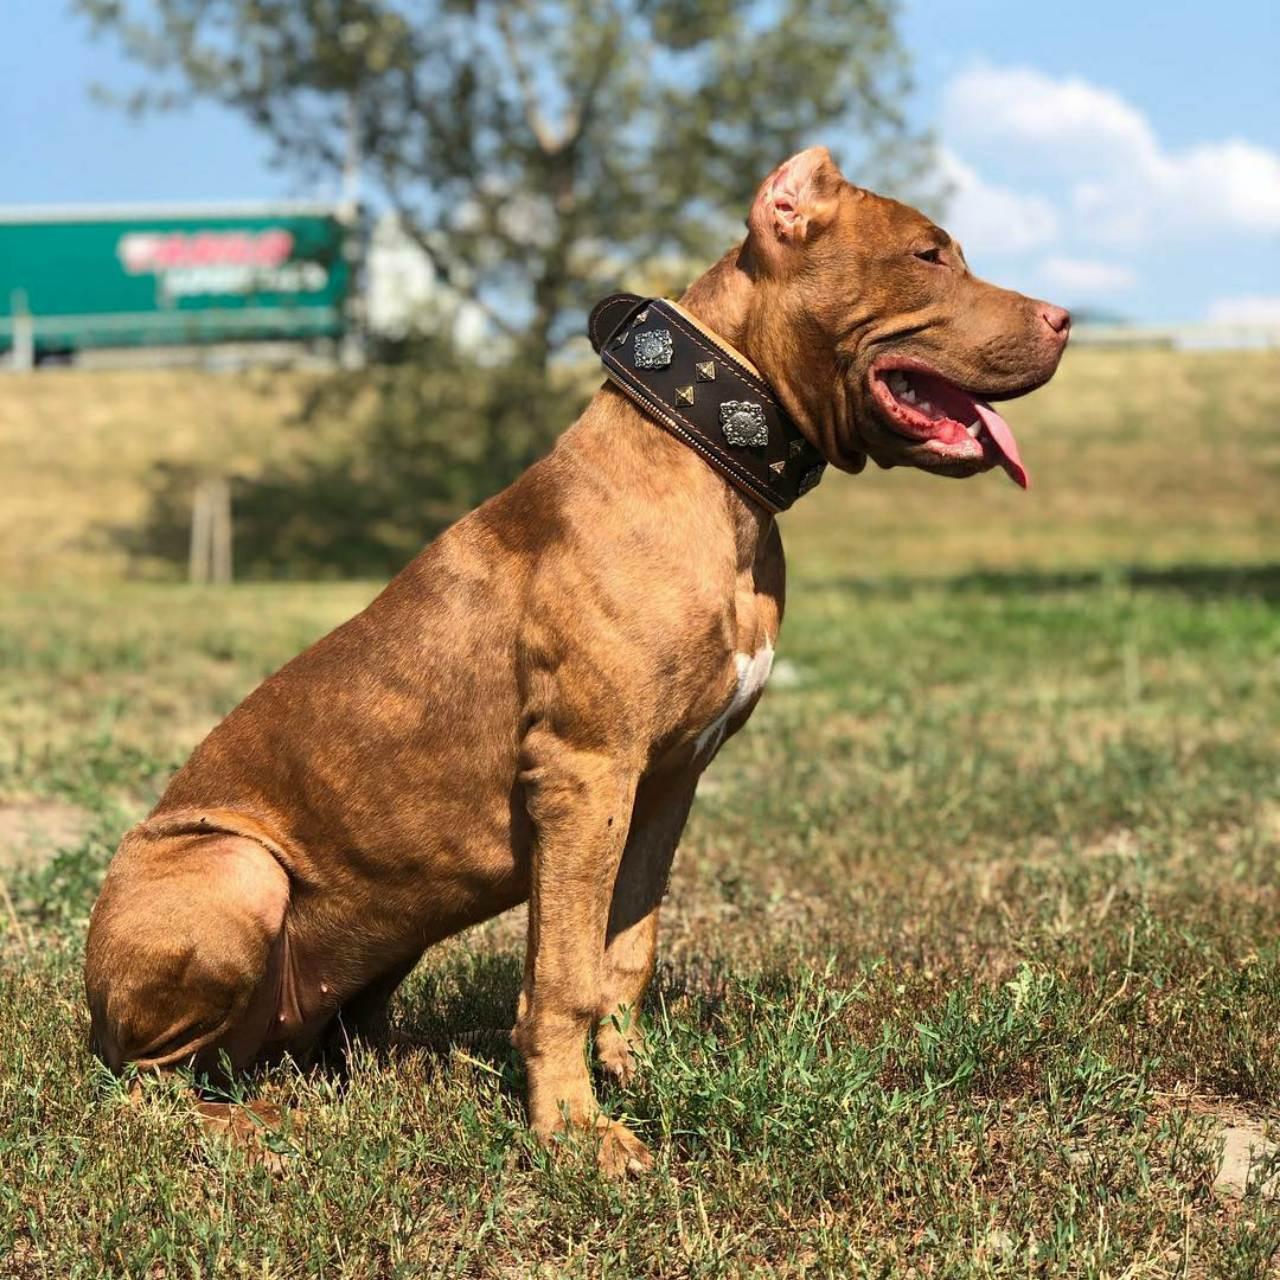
{"x": 1057, "y": 318}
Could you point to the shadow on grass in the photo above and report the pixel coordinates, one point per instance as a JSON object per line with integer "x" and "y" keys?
{"x": 468, "y": 1003}
{"x": 1196, "y": 581}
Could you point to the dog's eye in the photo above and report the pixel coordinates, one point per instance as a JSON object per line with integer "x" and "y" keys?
{"x": 930, "y": 255}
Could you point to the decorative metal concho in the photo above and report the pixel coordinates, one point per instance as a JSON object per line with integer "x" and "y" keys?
{"x": 743, "y": 424}
{"x": 653, "y": 349}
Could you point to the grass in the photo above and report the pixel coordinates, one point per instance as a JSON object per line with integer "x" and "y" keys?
{"x": 972, "y": 947}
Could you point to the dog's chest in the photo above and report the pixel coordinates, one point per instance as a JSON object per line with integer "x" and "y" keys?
{"x": 752, "y": 671}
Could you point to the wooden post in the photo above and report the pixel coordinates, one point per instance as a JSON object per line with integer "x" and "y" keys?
{"x": 209, "y": 559}
{"x": 198, "y": 559}
{"x": 220, "y": 530}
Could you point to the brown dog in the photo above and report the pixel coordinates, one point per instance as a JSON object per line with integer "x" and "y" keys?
{"x": 525, "y": 710}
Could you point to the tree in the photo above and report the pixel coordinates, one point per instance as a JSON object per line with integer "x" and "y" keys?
{"x": 539, "y": 151}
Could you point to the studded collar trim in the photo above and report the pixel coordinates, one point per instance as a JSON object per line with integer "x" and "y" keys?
{"x": 706, "y": 395}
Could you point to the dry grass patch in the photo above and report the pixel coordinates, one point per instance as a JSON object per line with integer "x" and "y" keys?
{"x": 1129, "y": 451}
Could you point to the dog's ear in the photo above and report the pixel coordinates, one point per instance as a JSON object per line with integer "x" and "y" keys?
{"x": 796, "y": 201}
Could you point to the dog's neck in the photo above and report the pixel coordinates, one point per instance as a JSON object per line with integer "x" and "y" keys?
{"x": 753, "y": 313}
{"x": 720, "y": 301}
{"x": 721, "y": 297}
{"x": 749, "y": 313}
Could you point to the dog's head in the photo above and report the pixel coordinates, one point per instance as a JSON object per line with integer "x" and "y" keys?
{"x": 876, "y": 334}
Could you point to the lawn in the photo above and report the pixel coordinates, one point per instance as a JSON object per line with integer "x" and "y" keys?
{"x": 972, "y": 951}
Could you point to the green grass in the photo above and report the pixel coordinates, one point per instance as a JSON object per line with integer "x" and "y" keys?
{"x": 971, "y": 946}
{"x": 971, "y": 951}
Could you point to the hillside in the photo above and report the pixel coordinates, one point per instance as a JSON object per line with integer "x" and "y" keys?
{"x": 1136, "y": 458}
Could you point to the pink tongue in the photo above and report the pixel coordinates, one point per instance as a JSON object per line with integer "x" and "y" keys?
{"x": 1006, "y": 445}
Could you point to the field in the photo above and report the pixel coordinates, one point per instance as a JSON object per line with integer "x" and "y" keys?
{"x": 971, "y": 960}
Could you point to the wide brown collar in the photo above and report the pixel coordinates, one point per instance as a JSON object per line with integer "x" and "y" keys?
{"x": 706, "y": 394}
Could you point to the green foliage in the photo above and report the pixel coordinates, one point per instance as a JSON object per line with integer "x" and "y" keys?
{"x": 434, "y": 441}
{"x": 539, "y": 150}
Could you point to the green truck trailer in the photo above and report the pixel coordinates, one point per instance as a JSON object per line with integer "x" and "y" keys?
{"x": 76, "y": 279}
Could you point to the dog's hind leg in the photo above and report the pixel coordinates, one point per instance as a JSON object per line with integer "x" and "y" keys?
{"x": 658, "y": 819}
{"x": 187, "y": 949}
{"x": 365, "y": 1015}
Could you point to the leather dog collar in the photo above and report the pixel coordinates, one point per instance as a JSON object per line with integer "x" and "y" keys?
{"x": 706, "y": 394}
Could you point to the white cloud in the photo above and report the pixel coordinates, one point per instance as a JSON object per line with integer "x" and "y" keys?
{"x": 1122, "y": 182}
{"x": 1258, "y": 309}
{"x": 1021, "y": 105}
{"x": 1087, "y": 277}
{"x": 988, "y": 218}
{"x": 1235, "y": 183}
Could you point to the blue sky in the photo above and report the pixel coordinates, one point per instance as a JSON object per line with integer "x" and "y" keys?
{"x": 1115, "y": 155}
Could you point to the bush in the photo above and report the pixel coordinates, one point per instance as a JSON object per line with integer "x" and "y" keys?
{"x": 396, "y": 452}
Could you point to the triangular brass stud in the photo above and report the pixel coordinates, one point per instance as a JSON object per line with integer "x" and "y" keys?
{"x": 684, "y": 395}
{"x": 643, "y": 316}
{"x": 705, "y": 372}
{"x": 797, "y": 448}
{"x": 778, "y": 467}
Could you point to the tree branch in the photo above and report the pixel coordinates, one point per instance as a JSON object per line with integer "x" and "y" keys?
{"x": 582, "y": 111}
{"x": 441, "y": 265}
{"x": 548, "y": 143}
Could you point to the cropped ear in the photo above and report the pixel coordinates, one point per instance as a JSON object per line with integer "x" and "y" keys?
{"x": 796, "y": 200}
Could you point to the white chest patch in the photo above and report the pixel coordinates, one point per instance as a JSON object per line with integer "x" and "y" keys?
{"x": 753, "y": 671}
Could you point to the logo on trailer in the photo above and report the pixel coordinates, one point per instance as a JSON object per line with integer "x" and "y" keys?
{"x": 200, "y": 263}
{"x": 144, "y": 252}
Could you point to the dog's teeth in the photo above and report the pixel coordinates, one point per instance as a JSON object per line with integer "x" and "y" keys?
{"x": 973, "y": 428}
{"x": 925, "y": 406}
{"x": 908, "y": 395}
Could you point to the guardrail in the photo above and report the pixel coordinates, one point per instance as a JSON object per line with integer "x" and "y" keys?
{"x": 1179, "y": 337}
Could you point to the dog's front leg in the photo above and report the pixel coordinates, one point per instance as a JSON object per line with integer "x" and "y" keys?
{"x": 580, "y": 805}
{"x": 661, "y": 810}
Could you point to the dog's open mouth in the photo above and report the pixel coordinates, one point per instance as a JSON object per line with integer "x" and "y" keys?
{"x": 948, "y": 422}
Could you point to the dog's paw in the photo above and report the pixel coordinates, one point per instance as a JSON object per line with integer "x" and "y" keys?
{"x": 614, "y": 1054}
{"x": 617, "y": 1046}
{"x": 618, "y": 1151}
{"x": 621, "y": 1152}
{"x": 255, "y": 1129}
